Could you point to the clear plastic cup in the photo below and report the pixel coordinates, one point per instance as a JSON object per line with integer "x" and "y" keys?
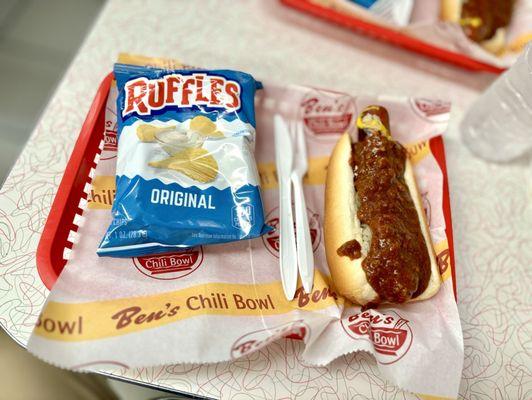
{"x": 498, "y": 127}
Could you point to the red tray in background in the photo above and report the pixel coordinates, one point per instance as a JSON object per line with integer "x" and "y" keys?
{"x": 392, "y": 36}
{"x": 54, "y": 239}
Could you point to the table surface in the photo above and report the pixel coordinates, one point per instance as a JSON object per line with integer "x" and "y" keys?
{"x": 491, "y": 203}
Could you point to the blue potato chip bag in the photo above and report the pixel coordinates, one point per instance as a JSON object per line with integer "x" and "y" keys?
{"x": 185, "y": 173}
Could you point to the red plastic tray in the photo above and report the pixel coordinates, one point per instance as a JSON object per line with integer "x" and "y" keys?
{"x": 392, "y": 36}
{"x": 54, "y": 239}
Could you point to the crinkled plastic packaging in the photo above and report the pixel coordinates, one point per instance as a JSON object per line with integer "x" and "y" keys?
{"x": 185, "y": 174}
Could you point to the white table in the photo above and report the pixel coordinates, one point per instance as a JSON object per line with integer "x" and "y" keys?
{"x": 490, "y": 203}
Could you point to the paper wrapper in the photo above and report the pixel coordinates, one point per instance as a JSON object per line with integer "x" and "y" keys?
{"x": 427, "y": 26}
{"x": 216, "y": 303}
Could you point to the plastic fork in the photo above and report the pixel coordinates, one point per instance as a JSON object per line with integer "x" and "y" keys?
{"x": 305, "y": 255}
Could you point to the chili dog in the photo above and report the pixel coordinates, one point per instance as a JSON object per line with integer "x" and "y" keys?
{"x": 377, "y": 241}
{"x": 483, "y": 21}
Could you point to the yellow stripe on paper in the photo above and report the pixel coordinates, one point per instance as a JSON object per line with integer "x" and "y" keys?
{"x": 103, "y": 187}
{"x": 144, "y": 61}
{"x": 73, "y": 322}
{"x": 316, "y": 174}
{"x": 102, "y": 193}
{"x": 417, "y": 151}
{"x": 430, "y": 397}
{"x": 519, "y": 43}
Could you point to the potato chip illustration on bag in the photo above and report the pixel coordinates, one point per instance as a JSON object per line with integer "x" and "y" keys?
{"x": 184, "y": 148}
{"x": 196, "y": 163}
{"x": 146, "y": 132}
{"x": 185, "y": 161}
{"x": 205, "y": 127}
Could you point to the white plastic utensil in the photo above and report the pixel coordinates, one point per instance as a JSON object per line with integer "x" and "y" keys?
{"x": 287, "y": 243}
{"x": 305, "y": 255}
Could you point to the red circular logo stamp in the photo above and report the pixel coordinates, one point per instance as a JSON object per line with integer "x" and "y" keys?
{"x": 431, "y": 110}
{"x": 171, "y": 265}
{"x": 390, "y": 334}
{"x": 327, "y": 113}
{"x": 110, "y": 141}
{"x": 253, "y": 341}
{"x": 271, "y": 239}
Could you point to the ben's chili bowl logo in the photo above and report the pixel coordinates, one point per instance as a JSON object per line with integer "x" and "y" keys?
{"x": 110, "y": 142}
{"x": 390, "y": 334}
{"x": 170, "y": 266}
{"x": 327, "y": 113}
{"x": 253, "y": 341}
{"x": 432, "y": 110}
{"x": 444, "y": 259}
{"x": 143, "y": 95}
{"x": 271, "y": 239}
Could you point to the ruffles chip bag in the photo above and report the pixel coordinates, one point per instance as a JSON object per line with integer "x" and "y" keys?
{"x": 185, "y": 173}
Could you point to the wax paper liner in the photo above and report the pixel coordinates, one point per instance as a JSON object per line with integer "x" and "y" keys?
{"x": 426, "y": 25}
{"x": 217, "y": 303}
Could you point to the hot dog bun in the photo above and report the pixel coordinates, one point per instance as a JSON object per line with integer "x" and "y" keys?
{"x": 342, "y": 225}
{"x": 451, "y": 10}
